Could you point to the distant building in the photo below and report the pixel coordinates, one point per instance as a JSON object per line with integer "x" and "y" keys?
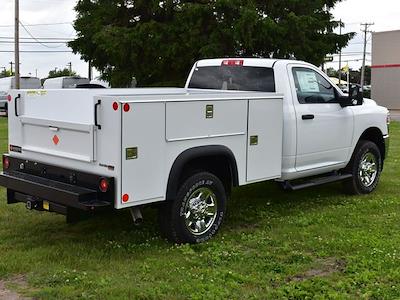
{"x": 385, "y": 77}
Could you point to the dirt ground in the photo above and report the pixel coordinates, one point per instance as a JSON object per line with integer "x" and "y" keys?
{"x": 7, "y": 294}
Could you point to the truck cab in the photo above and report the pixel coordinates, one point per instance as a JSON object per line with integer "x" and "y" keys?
{"x": 320, "y": 130}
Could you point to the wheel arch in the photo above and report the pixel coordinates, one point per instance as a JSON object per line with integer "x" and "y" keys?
{"x": 214, "y": 158}
{"x": 375, "y": 135}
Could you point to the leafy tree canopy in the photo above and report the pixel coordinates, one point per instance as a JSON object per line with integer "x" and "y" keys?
{"x": 158, "y": 41}
{"x": 6, "y": 73}
{"x": 60, "y": 73}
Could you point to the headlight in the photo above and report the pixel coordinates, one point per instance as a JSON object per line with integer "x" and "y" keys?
{"x": 388, "y": 118}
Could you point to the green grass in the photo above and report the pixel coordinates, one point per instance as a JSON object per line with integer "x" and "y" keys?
{"x": 317, "y": 243}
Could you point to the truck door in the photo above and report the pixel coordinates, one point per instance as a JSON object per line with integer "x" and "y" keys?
{"x": 324, "y": 128}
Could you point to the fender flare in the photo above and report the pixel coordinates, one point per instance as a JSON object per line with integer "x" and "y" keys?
{"x": 199, "y": 152}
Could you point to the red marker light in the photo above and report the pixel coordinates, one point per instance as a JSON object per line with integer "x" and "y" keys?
{"x": 6, "y": 162}
{"x": 127, "y": 107}
{"x": 115, "y": 106}
{"x": 9, "y": 98}
{"x": 103, "y": 186}
{"x": 232, "y": 62}
{"x": 125, "y": 198}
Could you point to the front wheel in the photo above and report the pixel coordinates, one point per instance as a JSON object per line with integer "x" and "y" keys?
{"x": 196, "y": 214}
{"x": 366, "y": 167}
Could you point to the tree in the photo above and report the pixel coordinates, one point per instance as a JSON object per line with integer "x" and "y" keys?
{"x": 6, "y": 73}
{"x": 331, "y": 72}
{"x": 60, "y": 73}
{"x": 158, "y": 41}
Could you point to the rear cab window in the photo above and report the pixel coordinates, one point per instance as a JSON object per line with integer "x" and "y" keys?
{"x": 227, "y": 77}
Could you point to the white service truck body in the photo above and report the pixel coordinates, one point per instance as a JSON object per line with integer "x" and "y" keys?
{"x": 123, "y": 148}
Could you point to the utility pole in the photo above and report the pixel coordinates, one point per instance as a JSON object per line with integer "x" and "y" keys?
{"x": 69, "y": 65}
{"x": 16, "y": 41}
{"x": 340, "y": 54}
{"x": 90, "y": 73}
{"x": 365, "y": 30}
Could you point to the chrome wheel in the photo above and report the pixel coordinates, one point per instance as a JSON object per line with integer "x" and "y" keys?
{"x": 200, "y": 211}
{"x": 368, "y": 169}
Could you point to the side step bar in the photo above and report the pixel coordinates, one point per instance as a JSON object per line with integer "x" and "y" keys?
{"x": 289, "y": 186}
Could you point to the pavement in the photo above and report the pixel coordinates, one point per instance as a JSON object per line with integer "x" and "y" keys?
{"x": 395, "y": 115}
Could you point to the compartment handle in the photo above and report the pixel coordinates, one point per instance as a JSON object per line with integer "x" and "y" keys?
{"x": 16, "y": 105}
{"x": 95, "y": 114}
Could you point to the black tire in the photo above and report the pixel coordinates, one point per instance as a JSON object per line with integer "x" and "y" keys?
{"x": 358, "y": 184}
{"x": 174, "y": 223}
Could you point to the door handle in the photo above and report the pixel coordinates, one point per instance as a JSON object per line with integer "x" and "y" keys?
{"x": 308, "y": 117}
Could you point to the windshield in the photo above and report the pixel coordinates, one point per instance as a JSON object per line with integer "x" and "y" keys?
{"x": 240, "y": 78}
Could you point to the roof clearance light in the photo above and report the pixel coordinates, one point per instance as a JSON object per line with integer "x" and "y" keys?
{"x": 115, "y": 106}
{"x": 9, "y": 98}
{"x": 232, "y": 62}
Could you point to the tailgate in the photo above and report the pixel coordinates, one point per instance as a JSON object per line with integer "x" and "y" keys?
{"x": 63, "y": 139}
{"x": 58, "y": 123}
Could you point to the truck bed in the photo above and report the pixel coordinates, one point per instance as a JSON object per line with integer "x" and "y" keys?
{"x": 134, "y": 135}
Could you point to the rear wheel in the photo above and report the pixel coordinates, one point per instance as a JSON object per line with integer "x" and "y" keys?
{"x": 196, "y": 214}
{"x": 365, "y": 166}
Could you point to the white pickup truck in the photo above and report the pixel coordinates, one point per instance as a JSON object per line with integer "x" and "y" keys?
{"x": 237, "y": 121}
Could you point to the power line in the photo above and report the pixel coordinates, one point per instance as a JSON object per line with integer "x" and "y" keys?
{"x": 37, "y": 38}
{"x": 32, "y": 42}
{"x": 37, "y": 51}
{"x": 31, "y": 35}
{"x": 40, "y": 24}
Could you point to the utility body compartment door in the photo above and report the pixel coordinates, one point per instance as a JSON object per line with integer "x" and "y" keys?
{"x": 143, "y": 153}
{"x": 264, "y": 143}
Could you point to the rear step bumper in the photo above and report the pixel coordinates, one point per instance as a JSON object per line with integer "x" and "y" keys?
{"x": 55, "y": 189}
{"x": 36, "y": 188}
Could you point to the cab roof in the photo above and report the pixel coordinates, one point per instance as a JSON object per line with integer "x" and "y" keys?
{"x": 251, "y": 62}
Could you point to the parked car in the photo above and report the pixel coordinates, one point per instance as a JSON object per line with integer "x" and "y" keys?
{"x": 236, "y": 122}
{"x": 65, "y": 82}
{"x": 8, "y": 83}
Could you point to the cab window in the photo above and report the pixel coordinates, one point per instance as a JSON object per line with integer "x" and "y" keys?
{"x": 312, "y": 87}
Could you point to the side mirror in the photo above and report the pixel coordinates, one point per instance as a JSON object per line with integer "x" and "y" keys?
{"x": 356, "y": 95}
{"x": 354, "y": 98}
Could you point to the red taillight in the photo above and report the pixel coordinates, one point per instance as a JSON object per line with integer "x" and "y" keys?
{"x": 115, "y": 106}
{"x": 232, "y": 62}
{"x": 104, "y": 185}
{"x": 127, "y": 107}
{"x": 6, "y": 162}
{"x": 9, "y": 98}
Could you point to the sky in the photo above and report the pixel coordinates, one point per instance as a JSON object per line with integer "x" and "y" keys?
{"x": 36, "y": 15}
